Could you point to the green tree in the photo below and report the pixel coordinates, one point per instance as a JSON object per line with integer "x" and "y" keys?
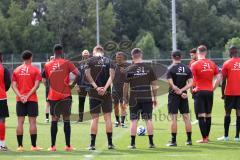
{"x": 231, "y": 42}
{"x": 147, "y": 43}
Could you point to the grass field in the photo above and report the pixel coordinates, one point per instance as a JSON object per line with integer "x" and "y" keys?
{"x": 81, "y": 138}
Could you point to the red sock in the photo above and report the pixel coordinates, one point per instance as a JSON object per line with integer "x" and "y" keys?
{"x": 2, "y": 131}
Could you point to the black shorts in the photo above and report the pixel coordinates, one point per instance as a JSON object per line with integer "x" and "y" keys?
{"x": 4, "y": 109}
{"x": 61, "y": 107}
{"x": 177, "y": 103}
{"x": 29, "y": 109}
{"x": 143, "y": 108}
{"x": 232, "y": 102}
{"x": 117, "y": 97}
{"x": 99, "y": 103}
{"x": 203, "y": 102}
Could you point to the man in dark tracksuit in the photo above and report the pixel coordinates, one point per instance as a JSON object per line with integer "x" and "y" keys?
{"x": 83, "y": 84}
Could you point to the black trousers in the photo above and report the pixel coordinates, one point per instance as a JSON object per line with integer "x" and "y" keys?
{"x": 81, "y": 99}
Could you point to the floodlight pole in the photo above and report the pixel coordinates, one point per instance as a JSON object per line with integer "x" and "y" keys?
{"x": 174, "y": 30}
{"x": 97, "y": 22}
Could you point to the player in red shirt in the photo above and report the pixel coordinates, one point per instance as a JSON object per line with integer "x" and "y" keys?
{"x": 25, "y": 82}
{"x": 231, "y": 91}
{"x": 5, "y": 82}
{"x": 204, "y": 72}
{"x": 57, "y": 72}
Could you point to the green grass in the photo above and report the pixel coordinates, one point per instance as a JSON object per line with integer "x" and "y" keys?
{"x": 81, "y": 138}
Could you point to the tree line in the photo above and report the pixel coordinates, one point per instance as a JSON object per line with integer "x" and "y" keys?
{"x": 39, "y": 24}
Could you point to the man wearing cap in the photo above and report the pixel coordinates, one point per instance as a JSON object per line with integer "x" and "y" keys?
{"x": 231, "y": 91}
{"x": 117, "y": 88}
{"x": 83, "y": 84}
{"x": 100, "y": 73}
{"x": 142, "y": 83}
{"x": 57, "y": 72}
{"x": 179, "y": 77}
{"x": 204, "y": 72}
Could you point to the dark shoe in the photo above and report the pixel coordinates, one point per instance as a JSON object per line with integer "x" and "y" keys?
{"x": 171, "y": 144}
{"x": 132, "y": 147}
{"x": 123, "y": 125}
{"x": 111, "y": 146}
{"x": 188, "y": 143}
{"x": 91, "y": 148}
{"x": 152, "y": 146}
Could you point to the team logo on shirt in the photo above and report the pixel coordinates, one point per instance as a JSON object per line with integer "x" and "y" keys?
{"x": 181, "y": 71}
{"x": 56, "y": 67}
{"x": 101, "y": 63}
{"x": 140, "y": 71}
{"x": 24, "y": 71}
{"x": 206, "y": 67}
{"x": 236, "y": 66}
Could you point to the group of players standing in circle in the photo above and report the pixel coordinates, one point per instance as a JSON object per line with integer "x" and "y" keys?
{"x": 134, "y": 85}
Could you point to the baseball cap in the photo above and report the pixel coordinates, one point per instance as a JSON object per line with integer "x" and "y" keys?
{"x": 176, "y": 54}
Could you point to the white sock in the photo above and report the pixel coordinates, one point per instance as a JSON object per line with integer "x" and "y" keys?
{"x": 1, "y": 143}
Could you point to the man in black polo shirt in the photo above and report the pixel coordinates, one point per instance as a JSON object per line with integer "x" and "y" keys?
{"x": 117, "y": 89}
{"x": 142, "y": 82}
{"x": 179, "y": 77}
{"x": 83, "y": 84}
{"x": 100, "y": 73}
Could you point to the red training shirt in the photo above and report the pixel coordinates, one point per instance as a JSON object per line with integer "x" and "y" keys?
{"x": 231, "y": 70}
{"x": 57, "y": 71}
{"x": 3, "y": 94}
{"x": 25, "y": 76}
{"x": 204, "y": 71}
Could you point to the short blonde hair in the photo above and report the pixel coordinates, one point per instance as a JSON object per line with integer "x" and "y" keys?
{"x": 98, "y": 48}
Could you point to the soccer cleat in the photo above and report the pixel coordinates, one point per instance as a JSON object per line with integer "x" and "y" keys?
{"x": 117, "y": 124}
{"x": 91, "y": 148}
{"x": 111, "y": 146}
{"x": 236, "y": 139}
{"x": 52, "y": 149}
{"x": 69, "y": 148}
{"x": 132, "y": 147}
{"x": 171, "y": 144}
{"x": 194, "y": 122}
{"x": 123, "y": 125}
{"x": 3, "y": 148}
{"x": 188, "y": 143}
{"x": 151, "y": 146}
{"x": 20, "y": 149}
{"x": 204, "y": 140}
{"x": 223, "y": 139}
{"x": 36, "y": 148}
{"x": 46, "y": 120}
